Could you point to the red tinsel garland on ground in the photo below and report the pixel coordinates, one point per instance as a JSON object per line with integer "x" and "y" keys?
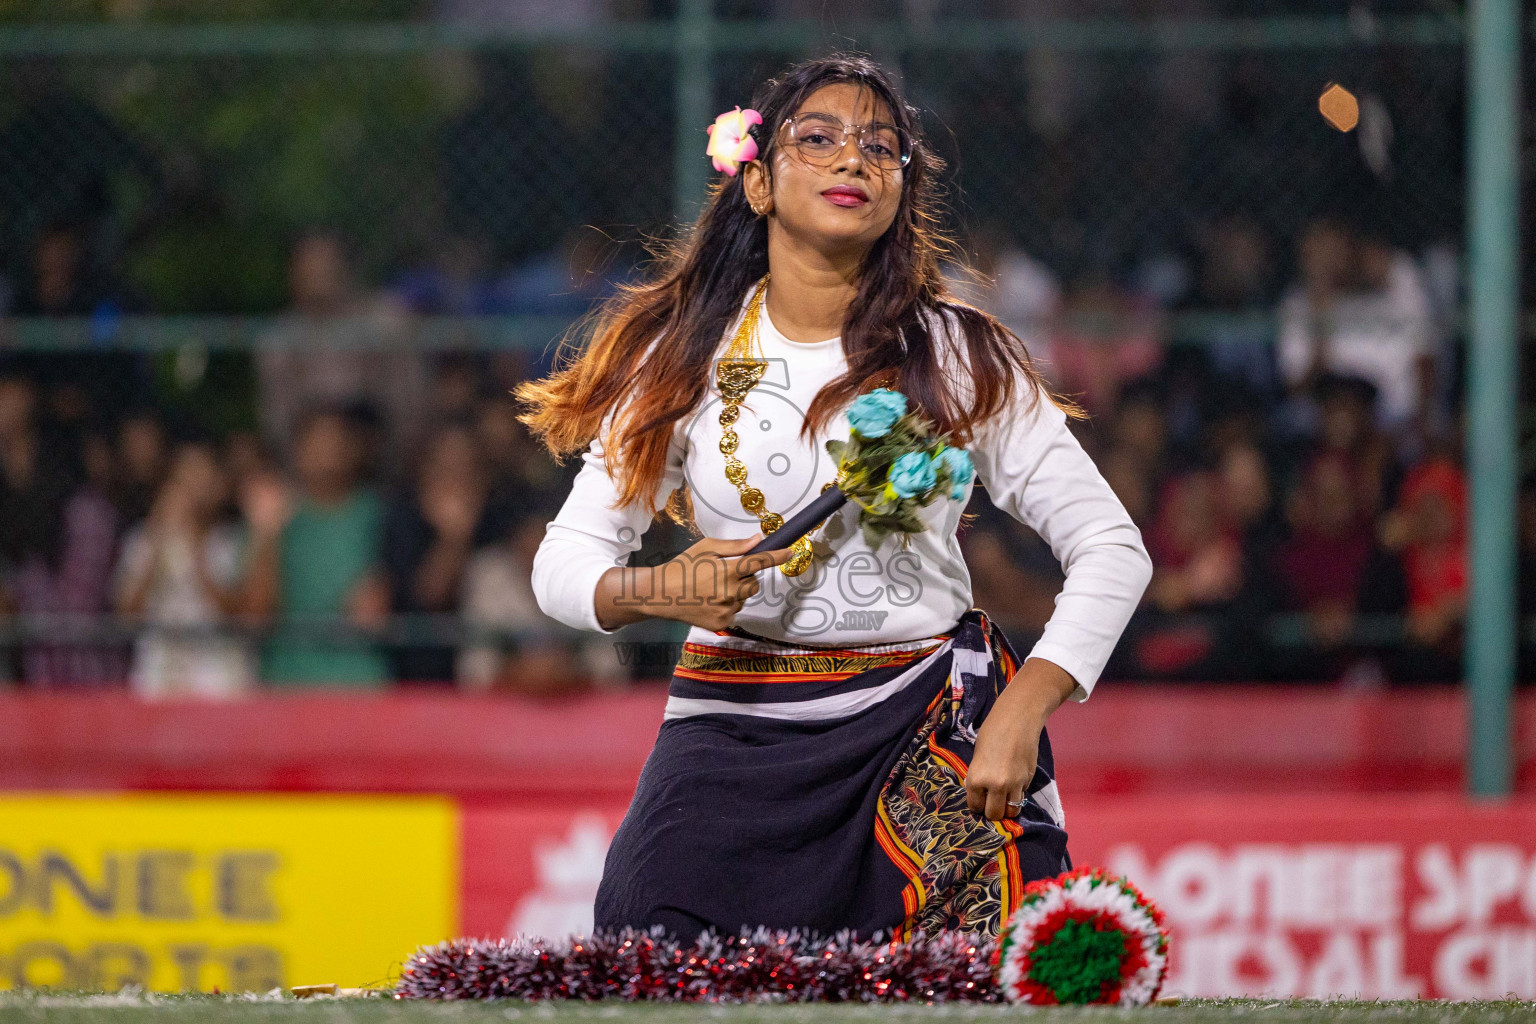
{"x": 754, "y": 966}
{"x": 1082, "y": 937}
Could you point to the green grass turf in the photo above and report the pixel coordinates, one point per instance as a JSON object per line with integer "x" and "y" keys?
{"x": 150, "y": 1009}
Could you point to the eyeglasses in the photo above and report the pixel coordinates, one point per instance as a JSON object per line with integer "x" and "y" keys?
{"x": 820, "y": 138}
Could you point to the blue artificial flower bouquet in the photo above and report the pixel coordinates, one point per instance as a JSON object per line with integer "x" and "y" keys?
{"x": 893, "y": 464}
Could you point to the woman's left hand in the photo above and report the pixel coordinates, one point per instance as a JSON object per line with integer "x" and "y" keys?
{"x": 1008, "y": 742}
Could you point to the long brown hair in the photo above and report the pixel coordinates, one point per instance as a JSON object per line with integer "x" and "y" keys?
{"x": 698, "y": 284}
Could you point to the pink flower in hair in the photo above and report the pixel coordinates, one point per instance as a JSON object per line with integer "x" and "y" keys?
{"x": 730, "y": 141}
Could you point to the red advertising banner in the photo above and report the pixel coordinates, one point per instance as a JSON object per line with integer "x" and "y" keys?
{"x": 1128, "y": 740}
{"x": 1374, "y": 897}
{"x": 533, "y": 869}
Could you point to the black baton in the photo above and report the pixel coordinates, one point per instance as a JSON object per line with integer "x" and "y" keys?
{"x": 802, "y": 522}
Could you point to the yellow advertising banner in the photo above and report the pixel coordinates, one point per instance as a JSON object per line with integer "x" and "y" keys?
{"x": 235, "y": 893}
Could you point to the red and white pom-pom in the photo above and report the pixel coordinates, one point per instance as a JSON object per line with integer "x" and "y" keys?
{"x": 1083, "y": 937}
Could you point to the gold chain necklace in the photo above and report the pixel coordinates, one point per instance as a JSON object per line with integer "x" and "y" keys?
{"x": 736, "y": 375}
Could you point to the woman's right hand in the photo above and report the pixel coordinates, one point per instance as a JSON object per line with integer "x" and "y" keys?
{"x": 705, "y": 585}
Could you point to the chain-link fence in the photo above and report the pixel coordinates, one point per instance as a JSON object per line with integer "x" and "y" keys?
{"x": 191, "y": 156}
{"x": 192, "y": 172}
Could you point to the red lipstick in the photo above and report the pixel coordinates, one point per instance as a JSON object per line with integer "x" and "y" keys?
{"x": 846, "y": 195}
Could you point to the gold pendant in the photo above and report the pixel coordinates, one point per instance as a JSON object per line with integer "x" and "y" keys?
{"x": 800, "y": 561}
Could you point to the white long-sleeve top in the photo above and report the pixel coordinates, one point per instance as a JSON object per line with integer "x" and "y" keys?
{"x": 1032, "y": 467}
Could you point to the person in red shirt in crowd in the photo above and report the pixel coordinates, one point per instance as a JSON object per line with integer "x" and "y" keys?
{"x": 1428, "y": 529}
{"x": 1198, "y": 560}
{"x": 1322, "y": 564}
{"x": 1332, "y": 570}
{"x": 1104, "y": 338}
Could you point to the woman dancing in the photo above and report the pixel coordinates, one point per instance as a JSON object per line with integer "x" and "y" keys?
{"x": 847, "y": 743}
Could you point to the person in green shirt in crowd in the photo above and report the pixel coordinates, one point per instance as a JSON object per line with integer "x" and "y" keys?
{"x": 315, "y": 555}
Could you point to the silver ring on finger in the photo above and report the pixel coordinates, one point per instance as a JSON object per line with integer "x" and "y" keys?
{"x": 1016, "y": 803}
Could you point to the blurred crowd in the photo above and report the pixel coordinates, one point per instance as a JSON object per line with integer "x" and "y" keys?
{"x": 377, "y": 525}
{"x": 1297, "y": 478}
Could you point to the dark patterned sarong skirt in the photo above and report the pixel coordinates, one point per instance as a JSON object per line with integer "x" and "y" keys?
{"x": 823, "y": 789}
